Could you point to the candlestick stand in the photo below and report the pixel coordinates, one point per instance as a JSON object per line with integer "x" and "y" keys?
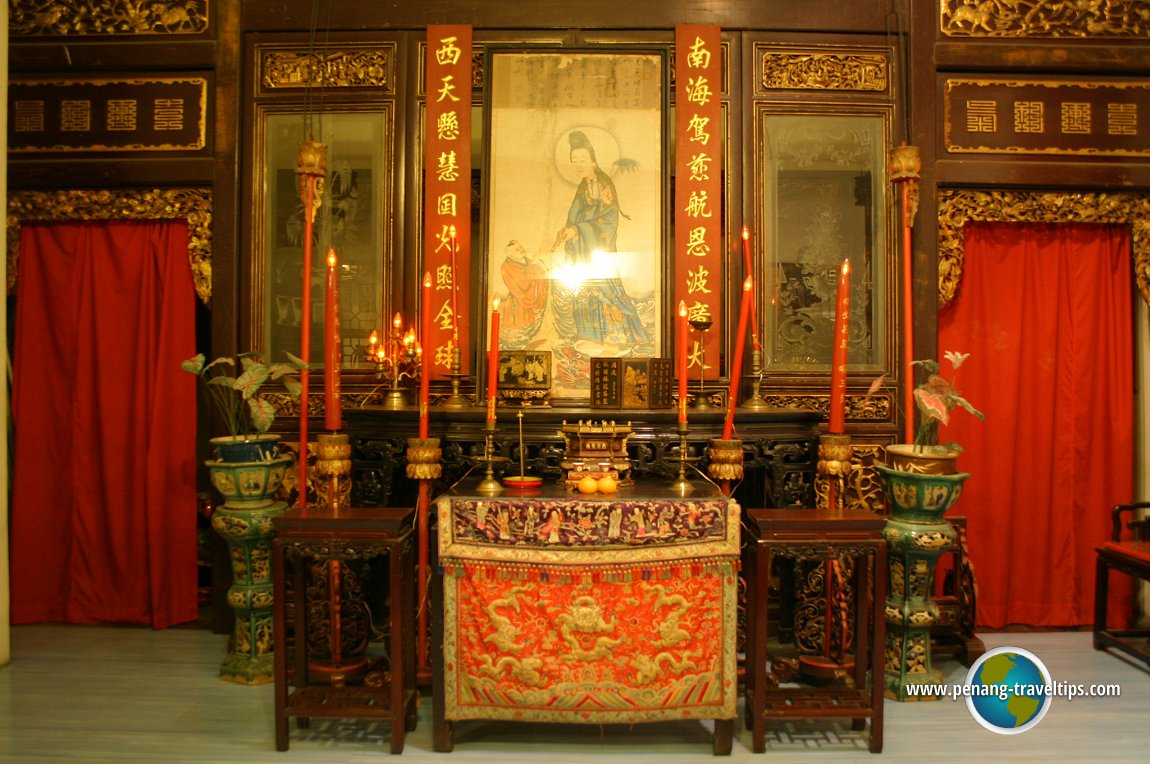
{"x": 489, "y": 484}
{"x": 456, "y": 400}
{"x": 755, "y": 401}
{"x": 395, "y": 362}
{"x": 681, "y": 485}
{"x": 702, "y": 402}
{"x": 833, "y": 472}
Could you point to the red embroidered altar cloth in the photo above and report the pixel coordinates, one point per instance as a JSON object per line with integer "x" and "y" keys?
{"x": 601, "y": 609}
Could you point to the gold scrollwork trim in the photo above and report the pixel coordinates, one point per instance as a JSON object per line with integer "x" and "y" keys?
{"x": 82, "y": 18}
{"x": 1042, "y": 18}
{"x": 876, "y": 408}
{"x": 957, "y": 207}
{"x": 372, "y": 67}
{"x": 191, "y": 204}
{"x": 823, "y": 70}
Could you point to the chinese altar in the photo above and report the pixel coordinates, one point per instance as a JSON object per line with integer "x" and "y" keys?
{"x": 602, "y": 608}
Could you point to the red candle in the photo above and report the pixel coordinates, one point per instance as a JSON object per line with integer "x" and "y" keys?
{"x": 749, "y": 270}
{"x": 332, "y": 351}
{"x": 425, "y": 358}
{"x": 454, "y": 290}
{"x": 681, "y": 360}
{"x": 737, "y": 366}
{"x": 493, "y": 361}
{"x": 839, "y": 352}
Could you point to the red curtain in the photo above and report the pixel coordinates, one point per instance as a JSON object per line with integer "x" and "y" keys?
{"x": 104, "y": 486}
{"x": 1046, "y": 313}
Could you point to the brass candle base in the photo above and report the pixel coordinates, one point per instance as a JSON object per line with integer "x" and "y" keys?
{"x": 456, "y": 400}
{"x": 681, "y": 485}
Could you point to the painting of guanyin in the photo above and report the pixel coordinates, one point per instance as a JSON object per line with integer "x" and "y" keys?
{"x": 575, "y": 225}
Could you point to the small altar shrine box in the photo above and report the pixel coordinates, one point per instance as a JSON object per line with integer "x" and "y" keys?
{"x": 631, "y": 383}
{"x": 595, "y": 450}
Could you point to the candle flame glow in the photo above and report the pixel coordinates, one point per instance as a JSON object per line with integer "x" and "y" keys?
{"x": 746, "y": 232}
{"x": 331, "y": 258}
{"x": 748, "y": 284}
{"x": 495, "y": 304}
{"x": 397, "y": 322}
{"x": 682, "y": 308}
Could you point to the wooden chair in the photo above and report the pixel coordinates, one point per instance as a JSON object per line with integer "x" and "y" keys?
{"x": 1133, "y": 558}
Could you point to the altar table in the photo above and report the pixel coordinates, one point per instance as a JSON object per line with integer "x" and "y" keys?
{"x": 560, "y": 607}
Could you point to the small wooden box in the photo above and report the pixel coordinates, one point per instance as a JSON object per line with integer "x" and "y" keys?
{"x": 630, "y": 383}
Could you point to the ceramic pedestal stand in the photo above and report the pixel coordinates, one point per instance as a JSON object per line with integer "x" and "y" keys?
{"x": 917, "y": 535}
{"x": 245, "y": 523}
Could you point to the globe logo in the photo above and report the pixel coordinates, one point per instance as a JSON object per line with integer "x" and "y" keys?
{"x": 1008, "y": 690}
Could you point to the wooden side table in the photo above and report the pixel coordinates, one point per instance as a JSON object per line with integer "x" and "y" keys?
{"x": 817, "y": 535}
{"x": 342, "y": 535}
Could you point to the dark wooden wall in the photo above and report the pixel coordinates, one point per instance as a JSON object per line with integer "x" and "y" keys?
{"x": 66, "y": 49}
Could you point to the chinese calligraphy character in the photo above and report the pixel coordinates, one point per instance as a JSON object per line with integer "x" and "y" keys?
{"x": 981, "y": 117}
{"x": 28, "y": 117}
{"x": 448, "y": 89}
{"x": 75, "y": 116}
{"x": 697, "y": 280}
{"x": 697, "y": 245}
{"x": 697, "y": 205}
{"x": 1028, "y": 116}
{"x": 447, "y": 54}
{"x": 699, "y": 90}
{"x": 445, "y": 204}
{"x": 700, "y": 166}
{"x": 699, "y": 57}
{"x": 1076, "y": 118}
{"x": 1122, "y": 118}
{"x": 697, "y": 129}
{"x": 443, "y": 277}
{"x": 447, "y": 166}
{"x": 168, "y": 114}
{"x": 447, "y": 126}
{"x": 121, "y": 114}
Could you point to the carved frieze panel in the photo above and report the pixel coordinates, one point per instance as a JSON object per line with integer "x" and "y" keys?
{"x": 191, "y": 204}
{"x": 98, "y": 115}
{"x": 1043, "y": 18}
{"x": 345, "y": 66}
{"x": 79, "y": 18}
{"x": 991, "y": 116}
{"x": 956, "y": 207}
{"x": 822, "y": 68}
{"x": 860, "y": 408}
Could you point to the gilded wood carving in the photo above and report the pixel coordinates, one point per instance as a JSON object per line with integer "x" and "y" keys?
{"x": 76, "y": 18}
{"x": 1043, "y": 18}
{"x": 191, "y": 204}
{"x": 957, "y": 207}
{"x": 822, "y": 69}
{"x": 372, "y": 67}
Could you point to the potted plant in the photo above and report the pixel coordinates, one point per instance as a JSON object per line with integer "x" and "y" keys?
{"x": 936, "y": 398}
{"x": 241, "y": 401}
{"x": 921, "y": 484}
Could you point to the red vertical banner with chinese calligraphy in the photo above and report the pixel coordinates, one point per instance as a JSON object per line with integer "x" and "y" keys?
{"x": 447, "y": 194}
{"x": 698, "y": 187}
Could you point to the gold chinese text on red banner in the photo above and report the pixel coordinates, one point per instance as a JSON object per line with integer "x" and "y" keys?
{"x": 698, "y": 186}
{"x": 447, "y": 192}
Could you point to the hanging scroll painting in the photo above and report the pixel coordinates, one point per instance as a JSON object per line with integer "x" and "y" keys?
{"x": 575, "y": 196}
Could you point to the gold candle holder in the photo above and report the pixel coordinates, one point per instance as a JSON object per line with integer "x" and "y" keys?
{"x": 681, "y": 485}
{"x": 755, "y": 401}
{"x": 725, "y": 459}
{"x": 833, "y": 470}
{"x": 423, "y": 459}
{"x": 456, "y": 400}
{"x": 489, "y": 484}
{"x": 333, "y": 467}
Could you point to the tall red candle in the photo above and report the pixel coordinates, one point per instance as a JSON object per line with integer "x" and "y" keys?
{"x": 493, "y": 361}
{"x": 749, "y": 270}
{"x": 681, "y": 361}
{"x": 837, "y": 422}
{"x": 427, "y": 357}
{"x": 454, "y": 290}
{"x": 332, "y": 350}
{"x": 737, "y": 366}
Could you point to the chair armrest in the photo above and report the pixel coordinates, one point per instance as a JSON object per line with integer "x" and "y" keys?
{"x": 1139, "y": 527}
